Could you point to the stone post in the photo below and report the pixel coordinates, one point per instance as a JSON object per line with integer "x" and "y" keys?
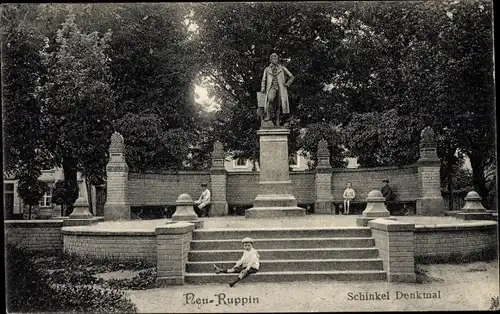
{"x": 218, "y": 179}
{"x": 375, "y": 208}
{"x": 173, "y": 241}
{"x": 117, "y": 206}
{"x": 430, "y": 202}
{"x": 184, "y": 211}
{"x": 323, "y": 180}
{"x": 473, "y": 209}
{"x": 395, "y": 243}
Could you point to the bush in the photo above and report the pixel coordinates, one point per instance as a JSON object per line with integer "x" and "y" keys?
{"x": 144, "y": 280}
{"x": 31, "y": 288}
{"x": 92, "y": 299}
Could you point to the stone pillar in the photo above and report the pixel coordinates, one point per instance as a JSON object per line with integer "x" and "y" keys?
{"x": 117, "y": 206}
{"x": 430, "y": 202}
{"x": 184, "y": 211}
{"x": 375, "y": 208}
{"x": 395, "y": 243}
{"x": 323, "y": 180}
{"x": 218, "y": 179}
{"x": 173, "y": 241}
{"x": 81, "y": 206}
{"x": 473, "y": 209}
{"x": 275, "y": 197}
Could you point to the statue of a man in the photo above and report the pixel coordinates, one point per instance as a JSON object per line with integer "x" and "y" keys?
{"x": 275, "y": 87}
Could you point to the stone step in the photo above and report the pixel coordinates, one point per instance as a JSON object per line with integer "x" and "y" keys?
{"x": 274, "y": 212}
{"x": 235, "y": 244}
{"x": 222, "y": 234}
{"x": 294, "y": 265}
{"x": 279, "y": 254}
{"x": 283, "y": 276}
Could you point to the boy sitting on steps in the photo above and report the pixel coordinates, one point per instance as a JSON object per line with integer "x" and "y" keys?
{"x": 248, "y": 264}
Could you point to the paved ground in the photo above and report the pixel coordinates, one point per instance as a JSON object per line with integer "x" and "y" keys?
{"x": 242, "y": 223}
{"x": 460, "y": 287}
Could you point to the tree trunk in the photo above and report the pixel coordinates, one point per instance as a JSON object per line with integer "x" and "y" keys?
{"x": 29, "y": 212}
{"x": 70, "y": 179}
{"x": 89, "y": 196}
{"x": 478, "y": 177}
{"x": 449, "y": 178}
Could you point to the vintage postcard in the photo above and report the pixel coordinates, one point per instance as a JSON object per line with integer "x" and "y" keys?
{"x": 249, "y": 157}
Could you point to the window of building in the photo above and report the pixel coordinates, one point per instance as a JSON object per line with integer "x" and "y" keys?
{"x": 240, "y": 163}
{"x": 45, "y": 201}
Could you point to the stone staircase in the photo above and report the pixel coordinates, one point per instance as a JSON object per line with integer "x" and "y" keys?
{"x": 287, "y": 254}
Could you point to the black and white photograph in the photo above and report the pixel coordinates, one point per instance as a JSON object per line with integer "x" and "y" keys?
{"x": 249, "y": 157}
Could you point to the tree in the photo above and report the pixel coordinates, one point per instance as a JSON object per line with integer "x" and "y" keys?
{"x": 24, "y": 152}
{"x": 77, "y": 101}
{"x": 308, "y": 142}
{"x": 31, "y": 191}
{"x": 433, "y": 61}
{"x": 236, "y": 47}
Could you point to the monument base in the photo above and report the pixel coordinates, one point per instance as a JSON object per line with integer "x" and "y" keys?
{"x": 274, "y": 212}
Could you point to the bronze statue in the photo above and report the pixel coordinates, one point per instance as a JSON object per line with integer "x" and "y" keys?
{"x": 274, "y": 97}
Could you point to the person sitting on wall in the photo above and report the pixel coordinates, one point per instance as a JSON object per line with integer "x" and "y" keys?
{"x": 348, "y": 195}
{"x": 387, "y": 191}
{"x": 203, "y": 201}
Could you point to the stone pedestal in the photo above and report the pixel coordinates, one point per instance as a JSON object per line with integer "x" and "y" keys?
{"x": 117, "y": 206}
{"x": 323, "y": 180}
{"x": 473, "y": 209}
{"x": 184, "y": 211}
{"x": 275, "y": 198}
{"x": 81, "y": 206}
{"x": 218, "y": 179}
{"x": 430, "y": 202}
{"x": 375, "y": 208}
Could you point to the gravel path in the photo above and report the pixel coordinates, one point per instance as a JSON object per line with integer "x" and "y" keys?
{"x": 460, "y": 287}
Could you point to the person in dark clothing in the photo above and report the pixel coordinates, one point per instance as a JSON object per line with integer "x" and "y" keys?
{"x": 387, "y": 191}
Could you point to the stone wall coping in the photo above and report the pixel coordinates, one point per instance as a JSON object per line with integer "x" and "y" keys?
{"x": 203, "y": 172}
{"x": 281, "y": 229}
{"x": 476, "y": 225}
{"x": 84, "y": 231}
{"x": 33, "y": 223}
{"x": 412, "y": 166}
{"x": 175, "y": 228}
{"x": 390, "y": 225}
{"x": 256, "y": 173}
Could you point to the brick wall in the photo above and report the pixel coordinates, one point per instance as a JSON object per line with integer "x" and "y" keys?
{"x": 304, "y": 186}
{"x": 463, "y": 238}
{"x": 242, "y": 187}
{"x": 164, "y": 188}
{"x": 36, "y": 235}
{"x": 173, "y": 244}
{"x": 112, "y": 245}
{"x": 404, "y": 181}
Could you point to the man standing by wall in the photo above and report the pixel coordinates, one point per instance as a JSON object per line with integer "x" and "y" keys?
{"x": 203, "y": 201}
